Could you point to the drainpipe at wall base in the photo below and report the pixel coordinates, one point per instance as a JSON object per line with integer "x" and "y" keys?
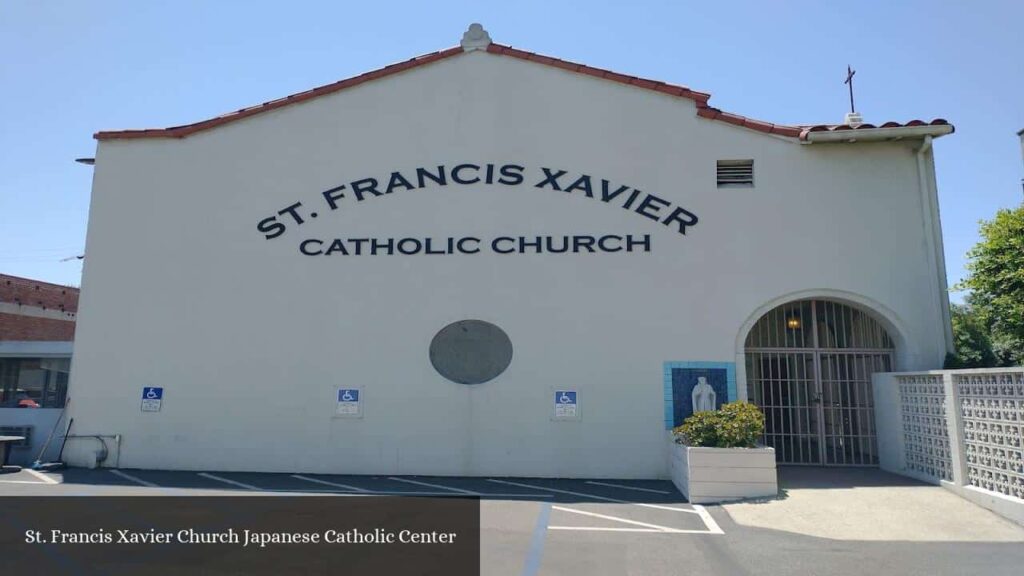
{"x": 933, "y": 232}
{"x": 100, "y": 455}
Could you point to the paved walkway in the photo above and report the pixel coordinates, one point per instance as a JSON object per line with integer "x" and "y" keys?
{"x": 839, "y": 522}
{"x": 871, "y": 505}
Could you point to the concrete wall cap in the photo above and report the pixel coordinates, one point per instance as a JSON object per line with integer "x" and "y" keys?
{"x": 475, "y": 38}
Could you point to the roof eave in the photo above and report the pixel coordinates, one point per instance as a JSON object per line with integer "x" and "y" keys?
{"x": 477, "y": 39}
{"x": 878, "y": 134}
{"x": 188, "y": 129}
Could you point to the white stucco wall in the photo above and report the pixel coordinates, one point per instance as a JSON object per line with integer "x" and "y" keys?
{"x": 250, "y": 339}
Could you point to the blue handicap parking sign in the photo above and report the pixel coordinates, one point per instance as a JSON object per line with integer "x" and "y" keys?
{"x": 348, "y": 395}
{"x": 152, "y": 398}
{"x": 565, "y": 397}
{"x": 565, "y": 405}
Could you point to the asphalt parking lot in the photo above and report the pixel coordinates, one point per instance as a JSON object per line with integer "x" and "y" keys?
{"x": 577, "y": 527}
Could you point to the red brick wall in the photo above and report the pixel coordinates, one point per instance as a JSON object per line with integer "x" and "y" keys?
{"x": 40, "y": 294}
{"x": 16, "y": 327}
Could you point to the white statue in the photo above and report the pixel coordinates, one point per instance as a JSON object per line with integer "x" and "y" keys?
{"x": 703, "y": 396}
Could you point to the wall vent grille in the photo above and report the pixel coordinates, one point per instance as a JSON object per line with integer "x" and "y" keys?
{"x": 735, "y": 173}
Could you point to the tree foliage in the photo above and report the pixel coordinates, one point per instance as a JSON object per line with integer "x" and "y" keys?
{"x": 995, "y": 305}
{"x": 972, "y": 341}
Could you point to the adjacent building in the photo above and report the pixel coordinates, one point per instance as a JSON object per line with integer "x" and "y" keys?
{"x": 37, "y": 328}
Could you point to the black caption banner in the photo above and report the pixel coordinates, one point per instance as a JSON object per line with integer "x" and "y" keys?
{"x": 240, "y": 535}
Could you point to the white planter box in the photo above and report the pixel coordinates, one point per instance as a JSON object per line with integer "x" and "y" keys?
{"x": 706, "y": 475}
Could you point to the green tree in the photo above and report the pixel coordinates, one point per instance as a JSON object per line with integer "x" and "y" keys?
{"x": 971, "y": 338}
{"x": 996, "y": 281}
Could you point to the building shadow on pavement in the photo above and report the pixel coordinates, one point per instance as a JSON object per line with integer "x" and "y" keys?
{"x": 810, "y": 477}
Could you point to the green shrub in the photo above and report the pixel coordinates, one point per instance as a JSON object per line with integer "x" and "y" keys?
{"x": 701, "y": 429}
{"x": 735, "y": 425}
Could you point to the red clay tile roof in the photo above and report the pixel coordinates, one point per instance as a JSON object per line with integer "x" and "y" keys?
{"x": 805, "y": 130}
{"x": 699, "y": 98}
{"x": 182, "y": 131}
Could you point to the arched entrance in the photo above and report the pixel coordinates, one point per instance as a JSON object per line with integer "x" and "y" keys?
{"x": 809, "y": 365}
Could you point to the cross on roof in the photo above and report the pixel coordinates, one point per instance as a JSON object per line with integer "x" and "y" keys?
{"x": 849, "y": 80}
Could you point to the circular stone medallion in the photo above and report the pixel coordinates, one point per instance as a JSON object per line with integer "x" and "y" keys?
{"x": 470, "y": 351}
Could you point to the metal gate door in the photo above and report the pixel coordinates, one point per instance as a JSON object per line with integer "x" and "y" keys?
{"x": 813, "y": 381}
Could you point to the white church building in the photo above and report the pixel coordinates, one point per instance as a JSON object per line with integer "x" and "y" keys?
{"x": 485, "y": 261}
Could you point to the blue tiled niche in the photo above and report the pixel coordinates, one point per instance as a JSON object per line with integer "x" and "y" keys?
{"x": 681, "y": 377}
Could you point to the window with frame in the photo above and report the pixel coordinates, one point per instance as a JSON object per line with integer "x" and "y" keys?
{"x": 33, "y": 382}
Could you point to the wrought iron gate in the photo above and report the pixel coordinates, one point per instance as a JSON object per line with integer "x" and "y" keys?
{"x": 809, "y": 366}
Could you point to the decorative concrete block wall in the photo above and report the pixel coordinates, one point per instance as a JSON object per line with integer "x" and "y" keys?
{"x": 962, "y": 429}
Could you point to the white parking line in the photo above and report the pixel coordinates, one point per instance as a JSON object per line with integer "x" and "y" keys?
{"x": 661, "y": 507}
{"x": 328, "y": 483}
{"x": 708, "y": 520}
{"x": 613, "y": 518}
{"x": 570, "y": 492}
{"x": 713, "y": 527}
{"x": 418, "y": 493}
{"x": 41, "y": 476}
{"x": 597, "y": 529}
{"x": 429, "y": 485}
{"x": 648, "y": 530}
{"x": 135, "y": 479}
{"x": 637, "y": 488}
{"x": 229, "y": 481}
{"x": 368, "y": 492}
{"x": 594, "y": 496}
{"x": 45, "y": 479}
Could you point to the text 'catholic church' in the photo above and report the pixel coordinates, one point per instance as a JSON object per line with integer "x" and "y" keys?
{"x": 485, "y": 261}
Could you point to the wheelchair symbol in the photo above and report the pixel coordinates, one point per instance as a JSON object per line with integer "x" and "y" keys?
{"x": 151, "y": 393}
{"x": 347, "y": 396}
{"x": 565, "y": 399}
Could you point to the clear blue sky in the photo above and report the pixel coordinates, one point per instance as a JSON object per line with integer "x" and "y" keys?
{"x": 70, "y": 68}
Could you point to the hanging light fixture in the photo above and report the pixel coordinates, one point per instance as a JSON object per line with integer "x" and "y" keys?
{"x": 793, "y": 323}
